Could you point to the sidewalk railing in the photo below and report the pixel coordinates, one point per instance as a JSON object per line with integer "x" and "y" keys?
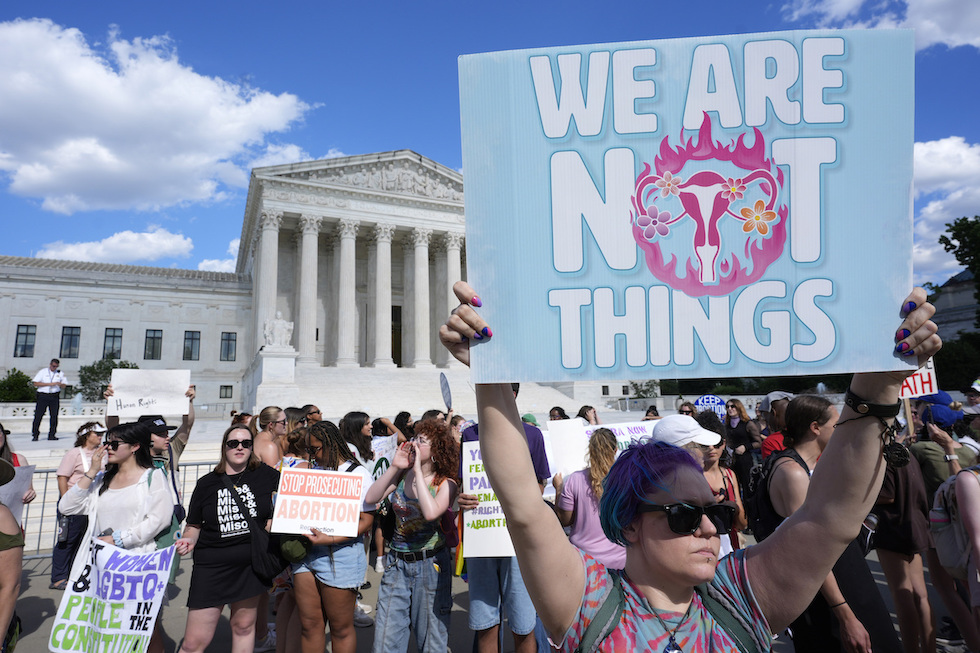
{"x": 40, "y": 516}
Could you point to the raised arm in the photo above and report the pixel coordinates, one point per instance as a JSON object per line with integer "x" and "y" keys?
{"x": 187, "y": 423}
{"x": 550, "y": 565}
{"x": 843, "y": 488}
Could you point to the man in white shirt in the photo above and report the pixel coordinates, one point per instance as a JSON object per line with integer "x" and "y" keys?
{"x": 49, "y": 383}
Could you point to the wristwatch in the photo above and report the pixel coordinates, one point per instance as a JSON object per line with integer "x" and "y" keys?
{"x": 950, "y": 457}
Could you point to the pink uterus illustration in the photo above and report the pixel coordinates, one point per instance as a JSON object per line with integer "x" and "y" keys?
{"x": 707, "y": 197}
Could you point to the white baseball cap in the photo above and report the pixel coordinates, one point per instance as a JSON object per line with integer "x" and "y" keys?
{"x": 679, "y": 430}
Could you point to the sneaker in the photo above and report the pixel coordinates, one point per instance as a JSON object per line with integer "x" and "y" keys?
{"x": 363, "y": 607}
{"x": 361, "y": 620}
{"x": 266, "y": 645}
{"x": 379, "y": 566}
{"x": 948, "y": 634}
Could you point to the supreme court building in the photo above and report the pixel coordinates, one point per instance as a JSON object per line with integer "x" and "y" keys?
{"x": 344, "y": 272}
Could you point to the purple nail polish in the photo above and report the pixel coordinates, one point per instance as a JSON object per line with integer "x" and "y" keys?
{"x": 910, "y": 307}
{"x": 901, "y": 347}
{"x": 909, "y": 352}
{"x": 902, "y": 334}
{"x": 476, "y": 301}
{"x": 477, "y": 336}
{"x": 487, "y": 332}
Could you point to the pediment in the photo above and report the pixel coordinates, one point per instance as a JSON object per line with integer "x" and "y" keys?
{"x": 395, "y": 173}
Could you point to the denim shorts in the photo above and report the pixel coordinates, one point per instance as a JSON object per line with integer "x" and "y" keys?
{"x": 493, "y": 579}
{"x": 342, "y": 566}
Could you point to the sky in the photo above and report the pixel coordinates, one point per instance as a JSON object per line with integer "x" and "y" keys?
{"x": 128, "y": 130}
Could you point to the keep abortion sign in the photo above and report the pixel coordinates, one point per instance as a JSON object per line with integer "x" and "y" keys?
{"x": 701, "y": 207}
{"x": 112, "y": 600}
{"x": 315, "y": 498}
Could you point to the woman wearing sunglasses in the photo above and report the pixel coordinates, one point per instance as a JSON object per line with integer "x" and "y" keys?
{"x": 267, "y": 431}
{"x": 326, "y": 581}
{"x": 722, "y": 480}
{"x": 128, "y": 504}
{"x": 218, "y": 534}
{"x": 658, "y": 504}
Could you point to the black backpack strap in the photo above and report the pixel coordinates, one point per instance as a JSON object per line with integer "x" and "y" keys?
{"x": 606, "y": 618}
{"x": 725, "y": 615}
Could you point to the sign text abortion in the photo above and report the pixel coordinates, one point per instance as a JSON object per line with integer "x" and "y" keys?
{"x": 314, "y": 498}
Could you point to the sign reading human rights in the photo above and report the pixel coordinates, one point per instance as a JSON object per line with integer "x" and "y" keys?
{"x": 316, "y": 498}
{"x": 143, "y": 392}
{"x": 112, "y": 600}
{"x": 701, "y": 207}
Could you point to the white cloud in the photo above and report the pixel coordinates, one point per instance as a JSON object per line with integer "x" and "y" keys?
{"x": 125, "y": 125}
{"x": 123, "y": 247}
{"x": 949, "y": 22}
{"x": 222, "y": 265}
{"x": 947, "y": 172}
{"x": 278, "y": 154}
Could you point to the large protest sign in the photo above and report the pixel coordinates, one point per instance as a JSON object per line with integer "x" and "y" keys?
{"x": 112, "y": 600}
{"x": 570, "y": 440}
{"x": 485, "y": 527}
{"x": 146, "y": 392}
{"x": 701, "y": 207}
{"x": 316, "y": 498}
{"x": 384, "y": 447}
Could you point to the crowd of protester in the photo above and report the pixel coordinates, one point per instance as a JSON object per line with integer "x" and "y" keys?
{"x": 677, "y": 527}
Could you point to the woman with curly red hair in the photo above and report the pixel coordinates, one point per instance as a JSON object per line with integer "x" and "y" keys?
{"x": 415, "y": 590}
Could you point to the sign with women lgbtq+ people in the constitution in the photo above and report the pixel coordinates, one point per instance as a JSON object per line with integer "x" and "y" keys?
{"x": 700, "y": 207}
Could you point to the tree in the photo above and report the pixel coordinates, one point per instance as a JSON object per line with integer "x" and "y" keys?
{"x": 643, "y": 389}
{"x": 16, "y": 386}
{"x": 93, "y": 379}
{"x": 958, "y": 362}
{"x": 962, "y": 239}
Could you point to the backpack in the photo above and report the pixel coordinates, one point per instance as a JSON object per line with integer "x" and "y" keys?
{"x": 946, "y": 525}
{"x": 763, "y": 518}
{"x": 611, "y": 611}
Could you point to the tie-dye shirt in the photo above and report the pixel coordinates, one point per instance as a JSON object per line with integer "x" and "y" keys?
{"x": 639, "y": 629}
{"x": 412, "y": 531}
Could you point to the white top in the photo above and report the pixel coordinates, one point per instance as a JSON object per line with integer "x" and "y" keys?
{"x": 47, "y": 376}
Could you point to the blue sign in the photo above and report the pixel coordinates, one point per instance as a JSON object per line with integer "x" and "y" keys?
{"x": 701, "y": 207}
{"x": 712, "y": 403}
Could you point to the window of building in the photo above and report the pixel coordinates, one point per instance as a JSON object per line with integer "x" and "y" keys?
{"x": 224, "y": 392}
{"x": 626, "y": 390}
{"x": 229, "y": 345}
{"x": 192, "y": 345}
{"x": 605, "y": 391}
{"x": 69, "y": 341}
{"x": 153, "y": 347}
{"x": 24, "y": 345}
{"x": 113, "y": 344}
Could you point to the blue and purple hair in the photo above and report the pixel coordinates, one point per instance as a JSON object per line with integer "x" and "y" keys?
{"x": 643, "y": 468}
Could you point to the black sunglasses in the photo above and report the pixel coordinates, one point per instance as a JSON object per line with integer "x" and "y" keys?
{"x": 684, "y": 412}
{"x": 685, "y": 519}
{"x": 234, "y": 444}
{"x": 114, "y": 444}
{"x": 312, "y": 451}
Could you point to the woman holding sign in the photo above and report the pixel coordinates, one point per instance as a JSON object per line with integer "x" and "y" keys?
{"x": 416, "y": 587}
{"x": 218, "y": 533}
{"x": 326, "y": 581}
{"x": 658, "y": 504}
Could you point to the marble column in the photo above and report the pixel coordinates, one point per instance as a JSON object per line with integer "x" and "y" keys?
{"x": 420, "y": 238}
{"x": 382, "y": 296}
{"x": 454, "y": 273}
{"x": 266, "y": 280}
{"x": 346, "y": 306}
{"x": 306, "y": 336}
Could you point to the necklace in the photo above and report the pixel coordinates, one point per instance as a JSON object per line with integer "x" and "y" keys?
{"x": 672, "y": 646}
{"x": 236, "y": 479}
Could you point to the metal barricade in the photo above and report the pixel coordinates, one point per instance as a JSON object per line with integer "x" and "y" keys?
{"x": 40, "y": 516}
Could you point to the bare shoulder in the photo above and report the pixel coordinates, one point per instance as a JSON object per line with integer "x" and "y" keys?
{"x": 8, "y": 524}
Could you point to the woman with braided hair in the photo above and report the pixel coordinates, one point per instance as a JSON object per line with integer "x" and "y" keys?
{"x": 578, "y": 501}
{"x": 326, "y": 581}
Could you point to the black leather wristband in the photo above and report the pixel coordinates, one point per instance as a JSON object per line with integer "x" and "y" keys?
{"x": 863, "y": 407}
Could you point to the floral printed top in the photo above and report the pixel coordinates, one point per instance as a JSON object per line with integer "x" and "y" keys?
{"x": 639, "y": 629}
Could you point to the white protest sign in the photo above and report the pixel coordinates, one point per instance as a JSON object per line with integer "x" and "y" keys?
{"x": 112, "y": 600}
{"x": 384, "y": 447}
{"x": 484, "y": 528}
{"x": 12, "y": 494}
{"x": 570, "y": 440}
{"x": 316, "y": 498}
{"x": 148, "y": 392}
{"x": 923, "y": 382}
